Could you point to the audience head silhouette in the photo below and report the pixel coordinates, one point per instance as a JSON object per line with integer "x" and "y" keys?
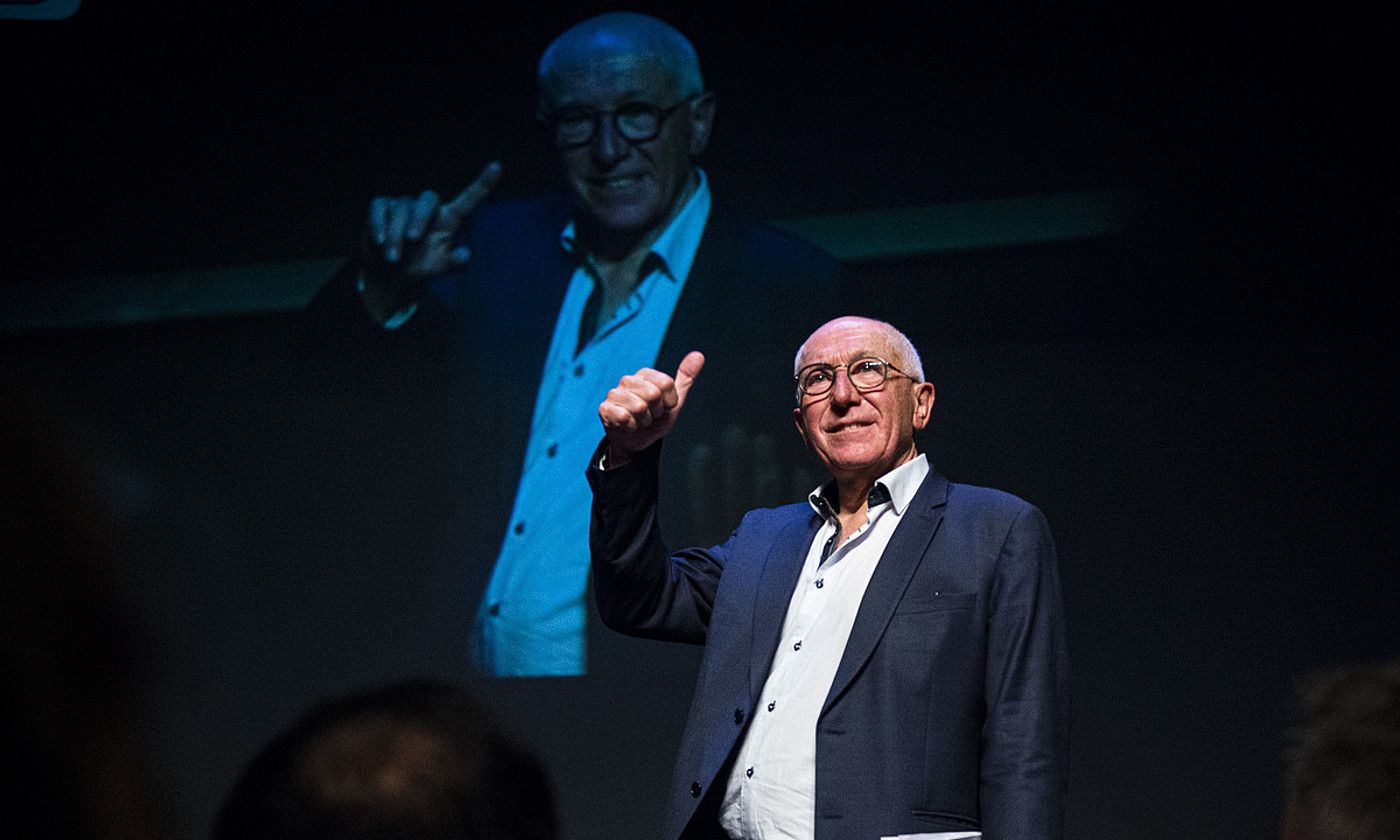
{"x": 420, "y": 760}
{"x": 1344, "y": 771}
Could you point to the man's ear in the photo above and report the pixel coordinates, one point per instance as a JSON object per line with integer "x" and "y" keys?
{"x": 702, "y": 120}
{"x": 923, "y": 403}
{"x": 801, "y": 427}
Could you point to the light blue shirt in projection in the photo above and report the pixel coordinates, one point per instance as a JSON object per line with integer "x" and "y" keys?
{"x": 531, "y": 621}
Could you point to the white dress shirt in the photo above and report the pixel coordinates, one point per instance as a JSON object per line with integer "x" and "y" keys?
{"x": 771, "y": 792}
{"x": 531, "y": 621}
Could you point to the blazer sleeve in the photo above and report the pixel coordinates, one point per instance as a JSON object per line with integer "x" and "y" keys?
{"x": 642, "y": 589}
{"x": 1025, "y": 737}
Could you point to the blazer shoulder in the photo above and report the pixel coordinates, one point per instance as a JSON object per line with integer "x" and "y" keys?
{"x": 767, "y": 246}
{"x": 514, "y": 246}
{"x": 989, "y": 503}
{"x": 759, "y": 247}
{"x": 515, "y": 219}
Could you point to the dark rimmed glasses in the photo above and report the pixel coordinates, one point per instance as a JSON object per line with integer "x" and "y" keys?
{"x": 866, "y": 374}
{"x": 637, "y": 122}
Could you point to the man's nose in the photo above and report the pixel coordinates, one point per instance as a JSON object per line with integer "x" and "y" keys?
{"x": 843, "y": 390}
{"x": 609, "y": 146}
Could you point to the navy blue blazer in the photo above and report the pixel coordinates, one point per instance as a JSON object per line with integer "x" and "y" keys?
{"x": 950, "y": 707}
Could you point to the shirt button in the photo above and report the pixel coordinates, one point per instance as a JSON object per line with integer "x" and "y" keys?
{"x": 772, "y": 705}
{"x": 749, "y": 772}
{"x": 578, "y": 370}
{"x": 819, "y": 583}
{"x": 797, "y": 646}
{"x": 519, "y": 528}
{"x": 738, "y": 716}
{"x": 695, "y": 789}
{"x": 552, "y": 450}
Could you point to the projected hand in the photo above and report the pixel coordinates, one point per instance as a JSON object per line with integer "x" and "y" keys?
{"x": 644, "y": 406}
{"x": 408, "y": 239}
{"x": 418, "y": 232}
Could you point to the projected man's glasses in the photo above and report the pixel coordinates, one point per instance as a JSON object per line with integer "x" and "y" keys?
{"x": 637, "y": 122}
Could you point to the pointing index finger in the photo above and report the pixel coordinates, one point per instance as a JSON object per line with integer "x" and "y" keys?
{"x": 378, "y": 218}
{"x": 452, "y": 213}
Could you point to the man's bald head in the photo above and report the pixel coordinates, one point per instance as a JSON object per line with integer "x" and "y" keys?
{"x": 902, "y": 353}
{"x": 618, "y": 34}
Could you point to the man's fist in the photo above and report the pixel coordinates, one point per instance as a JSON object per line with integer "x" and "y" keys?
{"x": 644, "y": 406}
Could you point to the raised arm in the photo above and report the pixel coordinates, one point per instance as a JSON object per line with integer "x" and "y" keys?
{"x": 640, "y": 587}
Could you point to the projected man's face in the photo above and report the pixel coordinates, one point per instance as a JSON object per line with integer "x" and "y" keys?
{"x": 626, "y": 187}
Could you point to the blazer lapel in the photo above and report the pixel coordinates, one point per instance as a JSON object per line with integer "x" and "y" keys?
{"x": 775, "y": 586}
{"x": 707, "y": 302}
{"x": 902, "y": 556}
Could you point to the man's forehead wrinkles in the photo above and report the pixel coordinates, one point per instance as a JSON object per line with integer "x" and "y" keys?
{"x": 839, "y": 359}
{"x": 617, "y": 76}
{"x": 633, "y": 94}
{"x": 843, "y": 362}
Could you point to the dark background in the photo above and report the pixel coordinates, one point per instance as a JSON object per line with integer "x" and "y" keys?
{"x": 1200, "y": 402}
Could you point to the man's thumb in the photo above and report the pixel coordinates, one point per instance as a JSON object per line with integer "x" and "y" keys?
{"x": 686, "y": 373}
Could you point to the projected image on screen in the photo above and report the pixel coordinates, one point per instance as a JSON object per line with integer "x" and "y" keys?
{"x": 636, "y": 263}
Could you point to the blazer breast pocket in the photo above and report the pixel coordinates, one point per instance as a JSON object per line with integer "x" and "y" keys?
{"x": 927, "y": 602}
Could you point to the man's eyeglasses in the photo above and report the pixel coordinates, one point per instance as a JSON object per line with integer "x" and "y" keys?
{"x": 637, "y": 122}
{"x": 866, "y": 374}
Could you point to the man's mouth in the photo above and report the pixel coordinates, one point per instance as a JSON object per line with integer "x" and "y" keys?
{"x": 846, "y": 427}
{"x": 618, "y": 182}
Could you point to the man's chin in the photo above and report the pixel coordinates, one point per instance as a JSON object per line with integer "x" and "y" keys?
{"x": 849, "y": 464}
{"x": 617, "y": 218}
{"x": 620, "y": 222}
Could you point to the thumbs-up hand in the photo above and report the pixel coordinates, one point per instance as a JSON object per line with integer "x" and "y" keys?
{"x": 644, "y": 406}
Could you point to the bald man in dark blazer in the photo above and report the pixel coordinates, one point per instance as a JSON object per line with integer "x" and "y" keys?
{"x": 884, "y": 660}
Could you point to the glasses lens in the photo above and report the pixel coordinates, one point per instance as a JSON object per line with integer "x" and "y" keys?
{"x": 638, "y": 121}
{"x": 816, "y": 379}
{"x": 572, "y": 128}
{"x": 867, "y": 373}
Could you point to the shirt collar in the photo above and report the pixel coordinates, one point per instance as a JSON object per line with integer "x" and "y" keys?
{"x": 897, "y": 486}
{"x": 677, "y": 242}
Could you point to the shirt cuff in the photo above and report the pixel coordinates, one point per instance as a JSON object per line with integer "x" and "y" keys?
{"x": 398, "y": 319}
